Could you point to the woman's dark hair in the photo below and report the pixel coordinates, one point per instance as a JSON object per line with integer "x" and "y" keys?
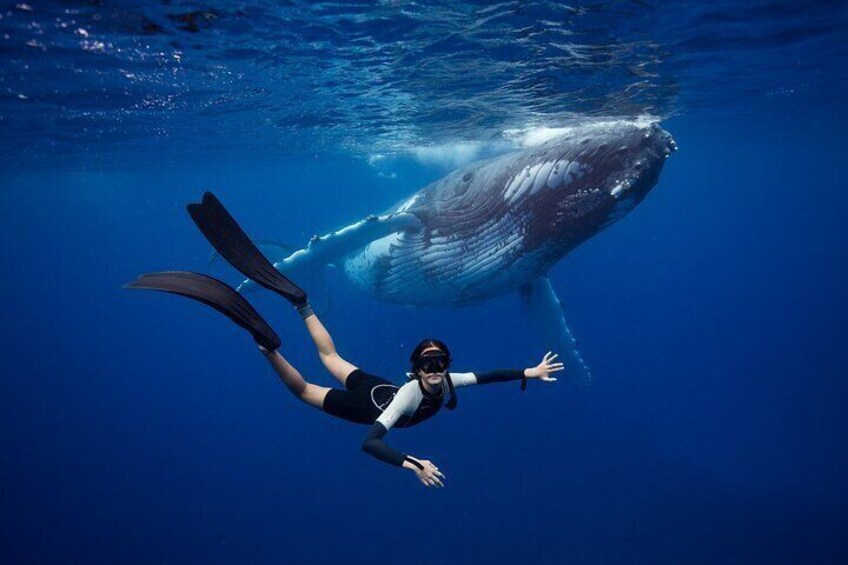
{"x": 428, "y": 344}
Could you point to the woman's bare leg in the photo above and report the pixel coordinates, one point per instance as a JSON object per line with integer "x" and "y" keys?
{"x": 334, "y": 363}
{"x": 294, "y": 381}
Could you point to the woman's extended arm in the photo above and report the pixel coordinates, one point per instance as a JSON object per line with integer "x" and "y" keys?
{"x": 542, "y": 371}
{"x": 374, "y": 445}
{"x": 406, "y": 401}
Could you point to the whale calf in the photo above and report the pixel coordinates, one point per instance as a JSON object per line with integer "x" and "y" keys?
{"x": 499, "y": 225}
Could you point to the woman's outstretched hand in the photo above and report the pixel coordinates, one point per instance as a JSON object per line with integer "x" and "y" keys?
{"x": 543, "y": 370}
{"x": 429, "y": 474}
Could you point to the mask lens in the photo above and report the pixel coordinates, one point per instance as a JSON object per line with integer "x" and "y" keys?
{"x": 433, "y": 364}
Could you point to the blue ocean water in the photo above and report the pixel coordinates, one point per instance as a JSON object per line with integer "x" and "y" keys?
{"x": 139, "y": 428}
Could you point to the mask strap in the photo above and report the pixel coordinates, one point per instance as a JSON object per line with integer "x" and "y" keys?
{"x": 451, "y": 403}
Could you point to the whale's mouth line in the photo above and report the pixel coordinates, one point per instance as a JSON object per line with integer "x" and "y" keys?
{"x": 620, "y": 209}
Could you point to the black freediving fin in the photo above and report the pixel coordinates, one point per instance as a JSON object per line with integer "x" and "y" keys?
{"x": 228, "y": 239}
{"x": 214, "y": 293}
{"x": 273, "y": 250}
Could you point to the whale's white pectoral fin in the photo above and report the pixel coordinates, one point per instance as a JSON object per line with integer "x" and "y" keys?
{"x": 331, "y": 247}
{"x": 546, "y": 317}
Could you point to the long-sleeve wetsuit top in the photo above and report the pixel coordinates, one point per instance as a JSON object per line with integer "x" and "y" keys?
{"x": 412, "y": 404}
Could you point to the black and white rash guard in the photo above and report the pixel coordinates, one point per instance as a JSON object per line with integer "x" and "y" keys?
{"x": 413, "y": 404}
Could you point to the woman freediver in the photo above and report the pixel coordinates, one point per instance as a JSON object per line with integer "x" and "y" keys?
{"x": 366, "y": 398}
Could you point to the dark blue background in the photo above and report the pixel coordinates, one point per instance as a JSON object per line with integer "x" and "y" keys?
{"x": 141, "y": 428}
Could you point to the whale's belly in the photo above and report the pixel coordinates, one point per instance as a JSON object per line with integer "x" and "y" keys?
{"x": 428, "y": 268}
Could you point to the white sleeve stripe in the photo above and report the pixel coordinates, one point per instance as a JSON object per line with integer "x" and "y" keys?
{"x": 463, "y": 379}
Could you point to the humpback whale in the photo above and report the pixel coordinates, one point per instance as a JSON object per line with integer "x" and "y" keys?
{"x": 499, "y": 225}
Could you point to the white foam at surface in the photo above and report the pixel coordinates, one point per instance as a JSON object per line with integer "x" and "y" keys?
{"x": 537, "y": 135}
{"x": 452, "y": 155}
{"x": 449, "y": 154}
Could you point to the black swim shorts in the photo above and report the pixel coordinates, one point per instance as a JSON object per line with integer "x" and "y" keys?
{"x": 365, "y": 398}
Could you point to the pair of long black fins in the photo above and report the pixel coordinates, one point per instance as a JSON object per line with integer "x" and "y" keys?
{"x": 227, "y": 237}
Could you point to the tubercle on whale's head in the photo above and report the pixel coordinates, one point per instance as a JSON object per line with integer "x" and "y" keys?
{"x": 639, "y": 160}
{"x": 620, "y": 158}
{"x": 582, "y": 182}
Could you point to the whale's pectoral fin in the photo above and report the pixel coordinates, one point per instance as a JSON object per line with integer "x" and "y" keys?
{"x": 273, "y": 250}
{"x": 546, "y": 317}
{"x": 323, "y": 250}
